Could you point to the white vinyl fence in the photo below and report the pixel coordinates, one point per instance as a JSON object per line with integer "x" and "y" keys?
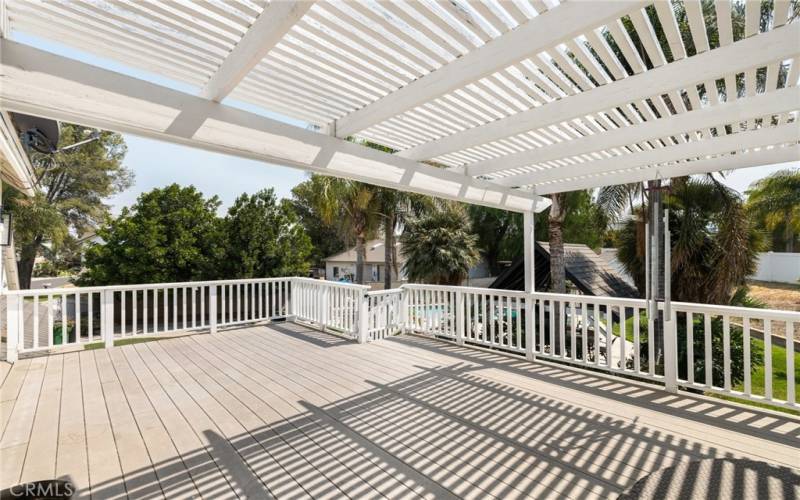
{"x": 778, "y": 267}
{"x": 727, "y": 350}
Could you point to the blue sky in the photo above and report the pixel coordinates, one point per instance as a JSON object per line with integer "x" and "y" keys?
{"x": 157, "y": 164}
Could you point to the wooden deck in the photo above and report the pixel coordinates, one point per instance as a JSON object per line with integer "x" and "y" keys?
{"x": 284, "y": 411}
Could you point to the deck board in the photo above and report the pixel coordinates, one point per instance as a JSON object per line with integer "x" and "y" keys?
{"x": 287, "y": 412}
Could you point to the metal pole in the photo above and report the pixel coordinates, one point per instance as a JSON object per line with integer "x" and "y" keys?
{"x": 667, "y": 267}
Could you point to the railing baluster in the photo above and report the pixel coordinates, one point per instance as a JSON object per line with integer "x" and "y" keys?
{"x": 609, "y": 327}
{"x": 790, "y": 381}
{"x": 623, "y": 334}
{"x": 135, "y": 300}
{"x": 690, "y": 347}
{"x": 726, "y": 351}
{"x": 123, "y": 311}
{"x": 90, "y": 316}
{"x": 202, "y": 291}
{"x": 518, "y": 304}
{"x": 77, "y": 318}
{"x": 35, "y": 321}
{"x": 768, "y": 358}
{"x": 64, "y": 323}
{"x": 748, "y": 384}
{"x": 708, "y": 350}
{"x": 637, "y": 342}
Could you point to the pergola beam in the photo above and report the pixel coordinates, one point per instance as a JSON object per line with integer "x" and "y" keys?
{"x": 773, "y": 46}
{"x": 765, "y": 136}
{"x": 267, "y": 30}
{"x": 773, "y": 156}
{"x": 36, "y": 82}
{"x": 564, "y": 22}
{"x": 770, "y": 103}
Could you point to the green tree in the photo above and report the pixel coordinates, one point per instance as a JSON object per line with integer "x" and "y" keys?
{"x": 169, "y": 235}
{"x": 73, "y": 185}
{"x": 395, "y": 208}
{"x": 263, "y": 238}
{"x": 352, "y": 207}
{"x": 499, "y": 234}
{"x": 774, "y": 203}
{"x": 439, "y": 247}
{"x": 326, "y": 237}
{"x": 714, "y": 243}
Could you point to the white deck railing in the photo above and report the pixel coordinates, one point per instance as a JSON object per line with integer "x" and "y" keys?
{"x": 599, "y": 333}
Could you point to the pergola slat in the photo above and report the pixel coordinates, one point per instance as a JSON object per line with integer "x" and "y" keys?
{"x": 540, "y": 33}
{"x": 778, "y": 101}
{"x": 267, "y": 30}
{"x": 525, "y": 94}
{"x": 772, "y": 46}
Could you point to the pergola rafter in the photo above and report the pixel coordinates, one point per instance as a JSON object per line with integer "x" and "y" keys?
{"x": 482, "y": 100}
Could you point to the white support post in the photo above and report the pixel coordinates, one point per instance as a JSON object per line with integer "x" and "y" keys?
{"x": 530, "y": 281}
{"x": 403, "y": 310}
{"x": 363, "y": 319}
{"x": 13, "y": 327}
{"x": 212, "y": 308}
{"x": 460, "y": 317}
{"x": 670, "y": 353}
{"x": 292, "y": 297}
{"x": 670, "y": 325}
{"x": 323, "y": 307}
{"x": 107, "y": 320}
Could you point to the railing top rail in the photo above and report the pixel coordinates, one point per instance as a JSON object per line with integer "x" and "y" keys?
{"x": 142, "y": 286}
{"x": 331, "y": 283}
{"x": 468, "y": 289}
{"x": 391, "y": 291}
{"x": 568, "y": 297}
{"x": 750, "y": 312}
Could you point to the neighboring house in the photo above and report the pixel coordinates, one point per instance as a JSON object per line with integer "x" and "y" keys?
{"x": 342, "y": 266}
{"x": 587, "y": 273}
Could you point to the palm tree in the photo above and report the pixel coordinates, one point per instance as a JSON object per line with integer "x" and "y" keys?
{"x": 714, "y": 244}
{"x": 774, "y": 202}
{"x": 394, "y": 209}
{"x": 353, "y": 206}
{"x": 558, "y": 212}
{"x": 439, "y": 247}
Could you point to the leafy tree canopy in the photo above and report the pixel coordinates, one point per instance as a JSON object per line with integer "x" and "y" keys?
{"x": 439, "y": 246}
{"x": 169, "y": 235}
{"x": 774, "y": 203}
{"x": 714, "y": 243}
{"x": 73, "y": 186}
{"x": 326, "y": 238}
{"x": 264, "y": 238}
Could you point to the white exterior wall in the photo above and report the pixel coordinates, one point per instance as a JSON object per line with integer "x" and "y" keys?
{"x": 344, "y": 268}
{"x": 778, "y": 267}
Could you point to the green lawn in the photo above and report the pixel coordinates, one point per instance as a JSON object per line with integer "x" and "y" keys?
{"x": 778, "y": 374}
{"x": 134, "y": 340}
{"x": 756, "y": 373}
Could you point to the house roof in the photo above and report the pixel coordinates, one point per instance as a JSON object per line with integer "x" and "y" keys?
{"x": 375, "y": 253}
{"x": 589, "y": 272}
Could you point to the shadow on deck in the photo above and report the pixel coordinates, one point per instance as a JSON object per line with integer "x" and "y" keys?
{"x": 473, "y": 426}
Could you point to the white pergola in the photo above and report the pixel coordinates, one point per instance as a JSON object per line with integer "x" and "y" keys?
{"x": 494, "y": 102}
